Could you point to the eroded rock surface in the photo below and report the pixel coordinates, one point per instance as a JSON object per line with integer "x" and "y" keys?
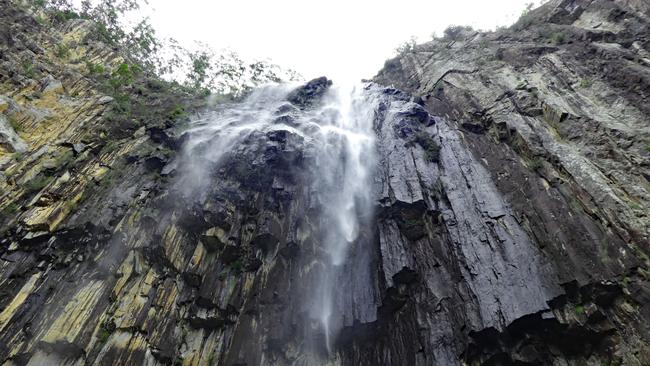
{"x": 509, "y": 222}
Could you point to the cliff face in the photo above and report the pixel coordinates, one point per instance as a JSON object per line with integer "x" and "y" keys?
{"x": 492, "y": 196}
{"x": 555, "y": 113}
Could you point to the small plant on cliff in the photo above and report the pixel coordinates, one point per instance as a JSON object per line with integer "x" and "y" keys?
{"x": 536, "y": 164}
{"x": 95, "y": 68}
{"x": 557, "y": 38}
{"x": 62, "y": 16}
{"x": 431, "y": 148}
{"x": 406, "y": 47}
{"x": 525, "y": 20}
{"x": 28, "y": 69}
{"x": 177, "y": 113}
{"x": 585, "y": 83}
{"x": 10, "y": 210}
{"x": 37, "y": 183}
{"x": 107, "y": 328}
{"x": 236, "y": 266}
{"x": 62, "y": 51}
{"x": 456, "y": 32}
{"x": 15, "y": 125}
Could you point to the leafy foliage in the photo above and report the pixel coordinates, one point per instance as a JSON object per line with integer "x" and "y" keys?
{"x": 62, "y": 50}
{"x": 455, "y": 32}
{"x": 38, "y": 182}
{"x": 200, "y": 70}
{"x": 526, "y": 18}
{"x": 406, "y": 47}
{"x": 558, "y": 38}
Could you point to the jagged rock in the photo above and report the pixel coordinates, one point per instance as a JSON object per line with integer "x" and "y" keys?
{"x": 51, "y": 85}
{"x": 309, "y": 93}
{"x": 510, "y": 202}
{"x": 9, "y": 138}
{"x": 214, "y": 239}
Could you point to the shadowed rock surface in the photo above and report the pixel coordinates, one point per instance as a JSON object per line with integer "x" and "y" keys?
{"x": 510, "y": 195}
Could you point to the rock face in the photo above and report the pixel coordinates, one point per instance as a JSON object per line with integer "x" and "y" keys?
{"x": 551, "y": 116}
{"x": 503, "y": 221}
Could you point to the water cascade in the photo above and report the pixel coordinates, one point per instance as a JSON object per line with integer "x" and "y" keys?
{"x": 337, "y": 130}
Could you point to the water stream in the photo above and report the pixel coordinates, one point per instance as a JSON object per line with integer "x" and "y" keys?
{"x": 338, "y": 131}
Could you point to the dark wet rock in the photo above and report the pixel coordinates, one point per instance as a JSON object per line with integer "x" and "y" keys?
{"x": 231, "y": 253}
{"x": 155, "y": 163}
{"x": 214, "y": 239}
{"x": 309, "y": 93}
{"x": 510, "y": 223}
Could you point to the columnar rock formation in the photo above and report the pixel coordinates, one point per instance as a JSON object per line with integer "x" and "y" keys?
{"x": 507, "y": 220}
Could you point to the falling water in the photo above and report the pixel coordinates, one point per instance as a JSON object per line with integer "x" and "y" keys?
{"x": 344, "y": 163}
{"x": 339, "y": 128}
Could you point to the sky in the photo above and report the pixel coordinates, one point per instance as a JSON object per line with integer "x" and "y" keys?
{"x": 340, "y": 39}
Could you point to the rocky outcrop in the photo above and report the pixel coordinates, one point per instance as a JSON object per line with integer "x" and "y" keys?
{"x": 508, "y": 225}
{"x": 552, "y": 113}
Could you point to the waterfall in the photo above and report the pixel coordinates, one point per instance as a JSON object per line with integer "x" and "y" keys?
{"x": 344, "y": 163}
{"x": 337, "y": 133}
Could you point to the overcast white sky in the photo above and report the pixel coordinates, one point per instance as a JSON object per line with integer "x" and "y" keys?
{"x": 341, "y": 39}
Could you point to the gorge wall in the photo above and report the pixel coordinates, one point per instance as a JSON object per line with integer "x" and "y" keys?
{"x": 483, "y": 201}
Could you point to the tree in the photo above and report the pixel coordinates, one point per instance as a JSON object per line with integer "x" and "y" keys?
{"x": 407, "y": 46}
{"x": 200, "y": 69}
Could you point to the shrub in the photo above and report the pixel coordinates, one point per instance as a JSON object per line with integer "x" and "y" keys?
{"x": 15, "y": 125}
{"x": 536, "y": 164}
{"x": 525, "y": 20}
{"x": 455, "y": 32}
{"x": 10, "y": 210}
{"x": 38, "y": 182}
{"x": 177, "y": 113}
{"x": 28, "y": 69}
{"x": 585, "y": 83}
{"x": 62, "y": 51}
{"x": 406, "y": 47}
{"x": 558, "y": 38}
{"x": 62, "y": 16}
{"x": 95, "y": 68}
{"x": 431, "y": 148}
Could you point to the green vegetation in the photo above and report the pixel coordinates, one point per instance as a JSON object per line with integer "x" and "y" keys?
{"x": 62, "y": 51}
{"x": 455, "y": 32}
{"x": 522, "y": 85}
{"x": 107, "y": 328}
{"x": 64, "y": 159}
{"x": 177, "y": 113}
{"x": 647, "y": 147}
{"x": 525, "y": 20}
{"x": 236, "y": 265}
{"x": 38, "y": 183}
{"x": 431, "y": 148}
{"x": 94, "y": 68}
{"x": 62, "y": 16}
{"x": 10, "y": 210}
{"x": 627, "y": 281}
{"x": 406, "y": 47}
{"x": 198, "y": 71}
{"x": 34, "y": 95}
{"x": 580, "y": 309}
{"x": 557, "y": 38}
{"x": 15, "y": 125}
{"x": 28, "y": 69}
{"x": 536, "y": 163}
{"x": 585, "y": 83}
